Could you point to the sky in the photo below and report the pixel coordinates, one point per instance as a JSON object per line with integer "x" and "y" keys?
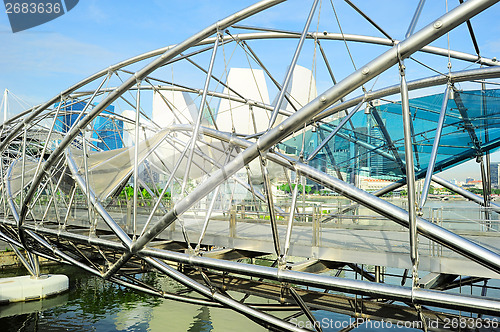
{"x": 38, "y": 63}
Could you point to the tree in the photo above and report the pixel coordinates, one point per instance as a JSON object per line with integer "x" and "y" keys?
{"x": 286, "y": 188}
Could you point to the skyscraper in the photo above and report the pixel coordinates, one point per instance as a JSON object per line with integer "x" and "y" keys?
{"x": 494, "y": 174}
{"x": 107, "y": 131}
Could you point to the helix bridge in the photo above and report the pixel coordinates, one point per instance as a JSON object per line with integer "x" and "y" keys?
{"x": 178, "y": 162}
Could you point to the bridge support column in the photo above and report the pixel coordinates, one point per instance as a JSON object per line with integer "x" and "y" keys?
{"x": 316, "y": 238}
{"x": 232, "y": 221}
{"x": 379, "y": 273}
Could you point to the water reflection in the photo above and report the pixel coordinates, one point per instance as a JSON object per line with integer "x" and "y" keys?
{"x": 93, "y": 304}
{"x": 201, "y": 322}
{"x": 22, "y": 308}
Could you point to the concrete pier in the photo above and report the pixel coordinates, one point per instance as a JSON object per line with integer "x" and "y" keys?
{"x": 26, "y": 288}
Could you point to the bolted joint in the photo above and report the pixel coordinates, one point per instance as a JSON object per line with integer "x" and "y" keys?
{"x": 438, "y": 24}
{"x": 402, "y": 69}
{"x": 220, "y": 37}
{"x": 138, "y": 80}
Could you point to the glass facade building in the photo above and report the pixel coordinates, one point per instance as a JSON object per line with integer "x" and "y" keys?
{"x": 373, "y": 146}
{"x": 107, "y": 132}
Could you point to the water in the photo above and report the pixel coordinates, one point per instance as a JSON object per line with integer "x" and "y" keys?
{"x": 96, "y": 305}
{"x": 93, "y": 304}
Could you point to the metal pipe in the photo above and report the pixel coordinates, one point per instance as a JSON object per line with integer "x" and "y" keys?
{"x": 215, "y": 78}
{"x": 36, "y": 263}
{"x": 361, "y": 271}
{"x": 120, "y": 233}
{"x": 215, "y": 295}
{"x": 210, "y": 209}
{"x": 441, "y": 165}
{"x": 291, "y": 216}
{"x": 23, "y": 166}
{"x": 423, "y": 296}
{"x": 461, "y": 76}
{"x": 305, "y": 309}
{"x": 366, "y": 39}
{"x": 5, "y": 94}
{"x": 2, "y": 188}
{"x": 167, "y": 184}
{"x": 410, "y": 172}
{"x": 329, "y": 153}
{"x": 435, "y": 146}
{"x": 472, "y": 36}
{"x": 87, "y": 183}
{"x": 136, "y": 157}
{"x": 72, "y": 197}
{"x": 207, "y": 217}
{"x": 200, "y": 116}
{"x": 48, "y": 137}
{"x": 370, "y": 20}
{"x": 487, "y": 177}
{"x": 388, "y": 139}
{"x": 54, "y": 191}
{"x": 156, "y": 63}
{"x": 124, "y": 258}
{"x": 465, "y": 193}
{"x": 165, "y": 295}
{"x": 453, "y": 241}
{"x": 291, "y": 69}
{"x": 270, "y": 205}
{"x": 35, "y": 111}
{"x": 88, "y": 103}
{"x": 415, "y": 146}
{"x": 23, "y": 260}
{"x": 335, "y": 131}
{"x": 466, "y": 120}
{"x": 327, "y": 63}
{"x": 484, "y": 182}
{"x": 61, "y": 254}
{"x": 275, "y": 82}
{"x": 434, "y": 232}
{"x": 9, "y": 193}
{"x": 151, "y": 192}
{"x": 375, "y": 290}
{"x": 414, "y": 20}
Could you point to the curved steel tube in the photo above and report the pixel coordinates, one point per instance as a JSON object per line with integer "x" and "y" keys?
{"x": 332, "y": 95}
{"x": 141, "y": 74}
{"x": 425, "y": 228}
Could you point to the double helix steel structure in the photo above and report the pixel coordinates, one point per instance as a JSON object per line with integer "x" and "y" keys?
{"x": 177, "y": 162}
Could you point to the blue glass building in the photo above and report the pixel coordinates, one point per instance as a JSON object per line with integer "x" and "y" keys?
{"x": 70, "y": 111}
{"x": 107, "y": 131}
{"x": 372, "y": 143}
